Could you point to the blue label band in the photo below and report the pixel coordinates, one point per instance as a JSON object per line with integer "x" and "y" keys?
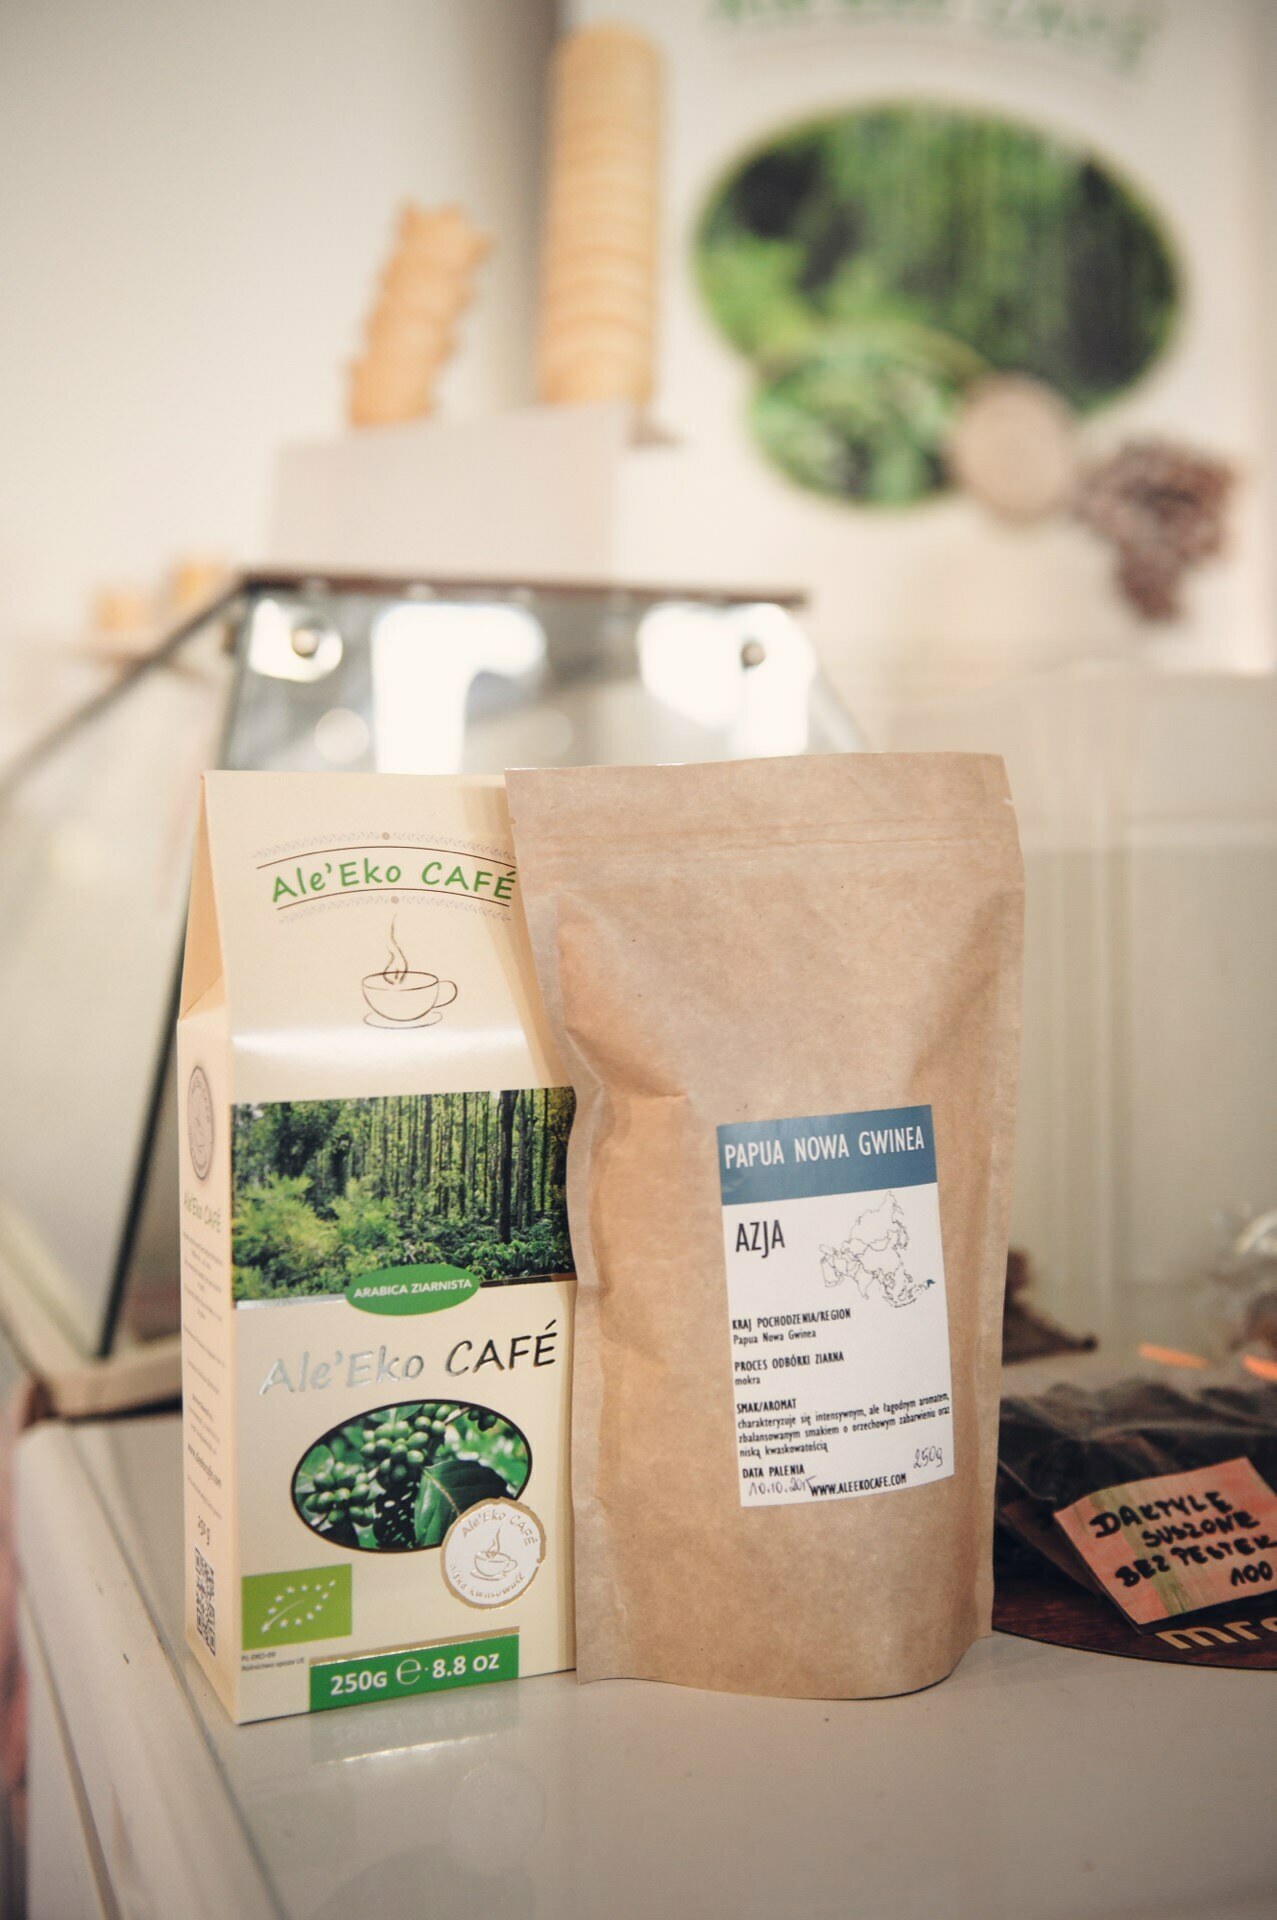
{"x": 762, "y": 1160}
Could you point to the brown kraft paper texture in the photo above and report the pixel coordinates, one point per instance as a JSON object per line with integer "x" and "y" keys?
{"x": 749, "y": 942}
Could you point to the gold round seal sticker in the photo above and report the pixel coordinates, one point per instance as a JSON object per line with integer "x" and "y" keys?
{"x": 491, "y": 1553}
{"x": 199, "y": 1122}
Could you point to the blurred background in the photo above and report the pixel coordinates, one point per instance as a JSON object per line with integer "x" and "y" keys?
{"x": 453, "y": 383}
{"x": 429, "y": 385}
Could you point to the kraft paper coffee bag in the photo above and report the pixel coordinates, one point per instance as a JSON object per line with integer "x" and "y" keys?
{"x": 787, "y": 993}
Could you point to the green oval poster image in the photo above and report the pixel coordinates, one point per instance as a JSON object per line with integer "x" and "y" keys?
{"x": 872, "y": 264}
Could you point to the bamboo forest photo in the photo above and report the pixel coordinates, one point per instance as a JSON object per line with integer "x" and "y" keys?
{"x": 326, "y": 1191}
{"x": 872, "y": 265}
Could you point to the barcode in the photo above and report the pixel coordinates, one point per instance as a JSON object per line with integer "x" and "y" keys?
{"x": 205, "y": 1610}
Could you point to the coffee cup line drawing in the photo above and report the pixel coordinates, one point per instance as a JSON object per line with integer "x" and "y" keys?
{"x": 492, "y": 1564}
{"x": 400, "y": 995}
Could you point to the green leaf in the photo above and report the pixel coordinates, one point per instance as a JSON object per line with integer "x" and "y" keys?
{"x": 445, "y": 1492}
{"x": 500, "y": 1451}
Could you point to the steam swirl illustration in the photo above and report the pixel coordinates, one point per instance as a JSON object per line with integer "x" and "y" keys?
{"x": 492, "y": 1563}
{"x": 396, "y": 969}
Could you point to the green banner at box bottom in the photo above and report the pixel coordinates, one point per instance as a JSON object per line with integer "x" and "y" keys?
{"x": 394, "y": 1676}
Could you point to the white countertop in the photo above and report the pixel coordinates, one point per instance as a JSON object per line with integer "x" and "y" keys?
{"x": 1035, "y": 1784}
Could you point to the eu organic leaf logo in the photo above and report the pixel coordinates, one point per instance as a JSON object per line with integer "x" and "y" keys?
{"x": 310, "y": 1603}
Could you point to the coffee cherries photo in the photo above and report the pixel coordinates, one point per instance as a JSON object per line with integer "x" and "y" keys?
{"x": 394, "y": 1480}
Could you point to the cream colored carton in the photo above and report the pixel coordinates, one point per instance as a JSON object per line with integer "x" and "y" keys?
{"x": 376, "y": 1295}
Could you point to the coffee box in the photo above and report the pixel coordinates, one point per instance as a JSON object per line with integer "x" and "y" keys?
{"x": 376, "y": 1287}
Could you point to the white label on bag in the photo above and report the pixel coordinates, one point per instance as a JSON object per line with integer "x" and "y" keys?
{"x": 836, "y": 1295}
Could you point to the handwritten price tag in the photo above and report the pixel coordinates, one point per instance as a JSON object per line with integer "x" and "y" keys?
{"x": 1179, "y": 1543}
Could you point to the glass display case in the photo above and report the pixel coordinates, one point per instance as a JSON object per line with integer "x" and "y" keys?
{"x": 96, "y": 823}
{"x": 1145, "y": 1179}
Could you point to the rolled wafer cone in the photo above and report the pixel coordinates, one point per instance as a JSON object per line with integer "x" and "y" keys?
{"x": 572, "y": 240}
{"x": 442, "y": 247}
{"x": 426, "y": 339}
{"x": 584, "y": 159}
{"x": 570, "y": 310}
{"x": 608, "y": 40}
{"x": 390, "y": 374}
{"x": 593, "y": 376}
{"x": 429, "y": 278}
{"x": 411, "y": 382}
{"x": 610, "y": 143}
{"x": 425, "y": 300}
{"x": 121, "y": 610}
{"x": 194, "y": 577}
{"x": 588, "y": 98}
{"x": 596, "y": 337}
{"x": 589, "y": 248}
{"x": 603, "y": 135}
{"x": 447, "y": 228}
{"x": 410, "y": 332}
{"x": 621, "y": 53}
{"x": 586, "y": 248}
{"x": 592, "y": 139}
{"x": 583, "y": 327}
{"x": 604, "y": 191}
{"x": 572, "y": 313}
{"x": 603, "y": 83}
{"x": 598, "y": 302}
{"x": 370, "y": 402}
{"x": 599, "y": 221}
{"x": 598, "y": 106}
{"x": 622, "y": 276}
{"x": 392, "y": 384}
{"x": 606, "y": 184}
{"x": 444, "y": 255}
{"x": 400, "y": 349}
